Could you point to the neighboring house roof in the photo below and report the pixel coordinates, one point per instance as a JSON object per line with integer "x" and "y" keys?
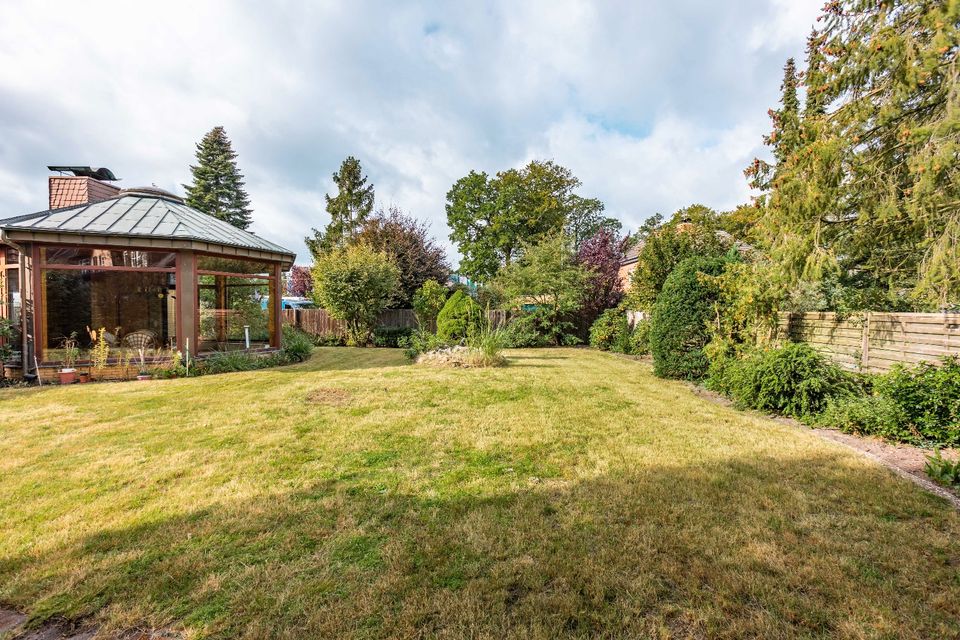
{"x": 134, "y": 216}
{"x": 632, "y": 254}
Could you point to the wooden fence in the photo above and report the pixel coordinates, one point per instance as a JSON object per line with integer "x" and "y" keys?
{"x": 874, "y": 341}
{"x": 318, "y": 322}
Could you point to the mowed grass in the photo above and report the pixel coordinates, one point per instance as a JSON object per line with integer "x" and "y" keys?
{"x": 569, "y": 494}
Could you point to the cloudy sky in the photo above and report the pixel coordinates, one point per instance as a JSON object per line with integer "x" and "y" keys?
{"x": 653, "y": 105}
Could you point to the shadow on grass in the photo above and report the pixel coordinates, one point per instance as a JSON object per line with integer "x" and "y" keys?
{"x": 771, "y": 547}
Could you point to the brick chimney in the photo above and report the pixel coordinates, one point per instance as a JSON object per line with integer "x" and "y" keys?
{"x": 83, "y": 187}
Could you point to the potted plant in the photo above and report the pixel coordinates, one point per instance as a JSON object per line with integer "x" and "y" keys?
{"x": 71, "y": 351}
{"x": 143, "y": 373}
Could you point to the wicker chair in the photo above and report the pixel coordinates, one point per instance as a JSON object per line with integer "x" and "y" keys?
{"x": 142, "y": 339}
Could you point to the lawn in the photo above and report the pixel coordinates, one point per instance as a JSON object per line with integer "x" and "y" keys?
{"x": 569, "y": 494}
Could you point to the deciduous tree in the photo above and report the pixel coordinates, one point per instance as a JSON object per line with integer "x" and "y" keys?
{"x": 355, "y": 284}
{"x": 414, "y": 252}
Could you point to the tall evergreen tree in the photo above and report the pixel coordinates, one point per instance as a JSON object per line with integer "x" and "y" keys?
{"x": 217, "y": 187}
{"x": 348, "y": 209}
{"x": 784, "y": 139}
{"x": 815, "y": 79}
{"x": 874, "y": 189}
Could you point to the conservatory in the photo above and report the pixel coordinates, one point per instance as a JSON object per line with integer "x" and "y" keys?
{"x": 138, "y": 274}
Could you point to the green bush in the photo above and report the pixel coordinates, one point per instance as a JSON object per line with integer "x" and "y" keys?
{"x": 929, "y": 396}
{"x": 428, "y": 301}
{"x": 295, "y": 345}
{"x": 420, "y": 342}
{"x": 639, "y": 342}
{"x": 793, "y": 380}
{"x": 330, "y": 340}
{"x": 611, "y": 332}
{"x": 390, "y": 336}
{"x": 678, "y": 330}
{"x": 458, "y": 317}
{"x": 525, "y": 331}
{"x": 946, "y": 472}
{"x": 866, "y": 415}
{"x": 230, "y": 361}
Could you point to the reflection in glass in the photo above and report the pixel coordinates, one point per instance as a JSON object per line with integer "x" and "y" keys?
{"x": 137, "y": 310}
{"x": 228, "y": 304}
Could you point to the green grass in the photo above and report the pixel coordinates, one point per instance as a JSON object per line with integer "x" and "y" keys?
{"x": 568, "y": 494}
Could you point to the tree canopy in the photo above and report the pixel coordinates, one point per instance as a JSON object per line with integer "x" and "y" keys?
{"x": 217, "y": 187}
{"x": 355, "y": 283}
{"x": 869, "y": 192}
{"x": 548, "y": 276}
{"x": 405, "y": 239}
{"x": 493, "y": 218}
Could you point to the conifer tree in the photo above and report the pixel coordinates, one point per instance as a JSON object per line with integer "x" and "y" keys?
{"x": 784, "y": 139}
{"x": 348, "y": 209}
{"x": 217, "y": 187}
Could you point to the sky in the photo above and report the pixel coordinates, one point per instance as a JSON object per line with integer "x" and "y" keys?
{"x": 653, "y": 105}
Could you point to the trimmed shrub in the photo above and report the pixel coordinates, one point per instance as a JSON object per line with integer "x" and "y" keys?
{"x": 929, "y": 396}
{"x": 866, "y": 415}
{"x": 459, "y": 316}
{"x": 678, "y": 330}
{"x": 390, "y": 336}
{"x": 793, "y": 380}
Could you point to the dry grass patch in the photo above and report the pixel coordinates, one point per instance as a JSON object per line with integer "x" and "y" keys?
{"x": 570, "y": 494}
{"x": 329, "y": 396}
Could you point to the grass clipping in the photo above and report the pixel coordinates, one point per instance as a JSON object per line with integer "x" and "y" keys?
{"x": 461, "y": 356}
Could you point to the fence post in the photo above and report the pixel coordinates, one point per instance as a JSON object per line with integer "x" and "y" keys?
{"x": 865, "y": 345}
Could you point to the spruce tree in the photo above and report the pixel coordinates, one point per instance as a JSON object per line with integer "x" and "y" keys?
{"x": 348, "y": 210}
{"x": 217, "y": 187}
{"x": 785, "y": 137}
{"x": 815, "y": 79}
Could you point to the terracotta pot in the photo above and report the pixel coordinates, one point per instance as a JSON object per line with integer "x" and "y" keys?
{"x": 67, "y": 376}
{"x": 84, "y": 377}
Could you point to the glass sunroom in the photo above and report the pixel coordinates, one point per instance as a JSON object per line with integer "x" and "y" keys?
{"x": 145, "y": 269}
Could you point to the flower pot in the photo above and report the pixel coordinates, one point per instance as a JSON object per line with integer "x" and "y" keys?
{"x": 67, "y": 376}
{"x": 144, "y": 376}
{"x": 84, "y": 377}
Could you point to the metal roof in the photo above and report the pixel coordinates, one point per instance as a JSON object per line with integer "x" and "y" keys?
{"x": 140, "y": 216}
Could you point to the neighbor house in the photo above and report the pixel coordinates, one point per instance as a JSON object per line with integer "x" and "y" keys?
{"x": 152, "y": 273}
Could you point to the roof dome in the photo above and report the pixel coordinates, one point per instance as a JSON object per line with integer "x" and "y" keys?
{"x": 151, "y": 192}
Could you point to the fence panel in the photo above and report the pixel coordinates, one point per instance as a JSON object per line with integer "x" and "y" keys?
{"x": 875, "y": 341}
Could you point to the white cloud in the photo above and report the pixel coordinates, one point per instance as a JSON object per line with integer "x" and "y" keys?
{"x": 653, "y": 106}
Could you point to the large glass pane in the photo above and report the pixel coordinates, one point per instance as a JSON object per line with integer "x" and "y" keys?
{"x": 233, "y": 310}
{"x": 137, "y": 310}
{"x": 12, "y": 256}
{"x": 233, "y": 265}
{"x": 10, "y": 288}
{"x": 108, "y": 257}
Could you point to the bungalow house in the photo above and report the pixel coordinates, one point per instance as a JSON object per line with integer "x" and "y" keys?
{"x": 152, "y": 273}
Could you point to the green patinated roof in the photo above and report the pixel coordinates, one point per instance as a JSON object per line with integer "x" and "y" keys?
{"x": 142, "y": 216}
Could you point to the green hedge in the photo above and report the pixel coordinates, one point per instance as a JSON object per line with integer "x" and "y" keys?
{"x": 678, "y": 330}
